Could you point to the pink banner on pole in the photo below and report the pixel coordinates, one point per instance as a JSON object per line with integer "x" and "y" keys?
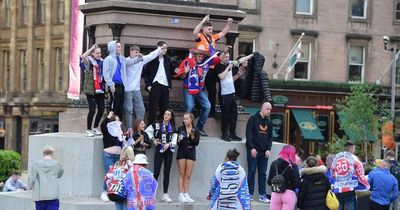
{"x": 75, "y": 49}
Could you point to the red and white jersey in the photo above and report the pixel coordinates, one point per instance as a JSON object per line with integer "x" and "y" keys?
{"x": 348, "y": 173}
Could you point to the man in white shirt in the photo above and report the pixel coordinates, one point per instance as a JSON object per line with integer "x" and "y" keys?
{"x": 133, "y": 99}
{"x": 157, "y": 75}
{"x": 228, "y": 105}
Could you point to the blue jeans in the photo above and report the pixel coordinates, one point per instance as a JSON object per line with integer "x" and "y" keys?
{"x": 133, "y": 101}
{"x": 108, "y": 160}
{"x": 347, "y": 200}
{"x": 121, "y": 205}
{"x": 47, "y": 205}
{"x": 260, "y": 162}
{"x": 204, "y": 102}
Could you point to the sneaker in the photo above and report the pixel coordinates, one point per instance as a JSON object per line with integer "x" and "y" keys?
{"x": 188, "y": 198}
{"x": 166, "y": 198}
{"x": 182, "y": 198}
{"x": 251, "y": 197}
{"x": 235, "y": 138}
{"x": 225, "y": 137}
{"x": 264, "y": 198}
{"x": 96, "y": 132}
{"x": 202, "y": 132}
{"x": 89, "y": 133}
{"x": 104, "y": 197}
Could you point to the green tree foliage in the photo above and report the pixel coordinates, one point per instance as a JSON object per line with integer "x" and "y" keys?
{"x": 9, "y": 161}
{"x": 360, "y": 110}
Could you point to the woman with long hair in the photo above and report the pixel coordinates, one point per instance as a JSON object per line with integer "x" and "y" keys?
{"x": 142, "y": 140}
{"x": 229, "y": 173}
{"x": 285, "y": 166}
{"x": 93, "y": 87}
{"x": 186, "y": 156}
{"x": 164, "y": 137}
{"x": 112, "y": 143}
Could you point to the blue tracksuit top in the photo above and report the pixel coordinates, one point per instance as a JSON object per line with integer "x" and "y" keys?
{"x": 383, "y": 186}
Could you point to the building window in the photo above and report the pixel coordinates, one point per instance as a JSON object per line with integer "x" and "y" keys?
{"x": 248, "y": 4}
{"x": 41, "y": 69}
{"x": 356, "y": 63}
{"x": 303, "y": 66}
{"x": 247, "y": 47}
{"x": 7, "y": 13}
{"x": 25, "y": 12}
{"x": 304, "y": 7}
{"x": 60, "y": 67}
{"x": 61, "y": 11}
{"x": 359, "y": 9}
{"x": 41, "y": 11}
{"x": 6, "y": 63}
{"x": 397, "y": 10}
{"x": 24, "y": 70}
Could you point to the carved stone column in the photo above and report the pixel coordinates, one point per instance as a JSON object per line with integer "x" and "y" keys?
{"x": 116, "y": 29}
{"x": 230, "y": 40}
{"x": 91, "y": 32}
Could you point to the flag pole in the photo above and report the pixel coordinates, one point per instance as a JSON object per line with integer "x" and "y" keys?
{"x": 378, "y": 82}
{"x": 275, "y": 76}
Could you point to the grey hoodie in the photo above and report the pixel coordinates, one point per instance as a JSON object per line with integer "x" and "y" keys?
{"x": 43, "y": 179}
{"x": 110, "y": 64}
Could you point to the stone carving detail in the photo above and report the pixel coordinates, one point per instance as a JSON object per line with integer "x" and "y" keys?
{"x": 116, "y": 29}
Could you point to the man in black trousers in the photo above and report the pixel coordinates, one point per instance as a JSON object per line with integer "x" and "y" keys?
{"x": 157, "y": 77}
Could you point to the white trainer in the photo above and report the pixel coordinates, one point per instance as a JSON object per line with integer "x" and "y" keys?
{"x": 166, "y": 198}
{"x": 96, "y": 132}
{"x": 104, "y": 197}
{"x": 89, "y": 133}
{"x": 188, "y": 198}
{"x": 182, "y": 198}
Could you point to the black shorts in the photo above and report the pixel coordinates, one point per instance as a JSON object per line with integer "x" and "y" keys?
{"x": 186, "y": 153}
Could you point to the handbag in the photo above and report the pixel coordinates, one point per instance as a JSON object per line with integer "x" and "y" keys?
{"x": 331, "y": 201}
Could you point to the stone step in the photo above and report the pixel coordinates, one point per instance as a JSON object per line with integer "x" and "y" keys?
{"x": 23, "y": 201}
{"x": 82, "y": 181}
{"x": 81, "y": 158}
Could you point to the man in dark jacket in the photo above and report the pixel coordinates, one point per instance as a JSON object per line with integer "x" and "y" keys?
{"x": 157, "y": 75}
{"x": 258, "y": 143}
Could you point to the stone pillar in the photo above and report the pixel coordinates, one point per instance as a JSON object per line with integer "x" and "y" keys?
{"x": 10, "y": 127}
{"x": 230, "y": 40}
{"x": 25, "y": 135}
{"x": 116, "y": 29}
{"x": 13, "y": 73}
{"x": 48, "y": 49}
{"x": 91, "y": 32}
{"x": 67, "y": 36}
{"x": 30, "y": 70}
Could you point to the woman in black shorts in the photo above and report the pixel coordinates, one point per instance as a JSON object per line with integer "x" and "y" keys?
{"x": 188, "y": 139}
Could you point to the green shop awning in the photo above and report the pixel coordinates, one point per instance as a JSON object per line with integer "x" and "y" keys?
{"x": 352, "y": 135}
{"x": 308, "y": 125}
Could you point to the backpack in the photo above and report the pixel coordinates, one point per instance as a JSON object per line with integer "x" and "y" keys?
{"x": 278, "y": 182}
{"x": 115, "y": 181}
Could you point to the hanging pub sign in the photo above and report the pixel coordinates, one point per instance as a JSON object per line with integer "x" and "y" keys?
{"x": 280, "y": 100}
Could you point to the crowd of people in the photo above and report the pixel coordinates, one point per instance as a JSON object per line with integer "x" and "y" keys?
{"x": 294, "y": 183}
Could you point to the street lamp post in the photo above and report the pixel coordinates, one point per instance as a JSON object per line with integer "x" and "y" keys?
{"x": 393, "y": 92}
